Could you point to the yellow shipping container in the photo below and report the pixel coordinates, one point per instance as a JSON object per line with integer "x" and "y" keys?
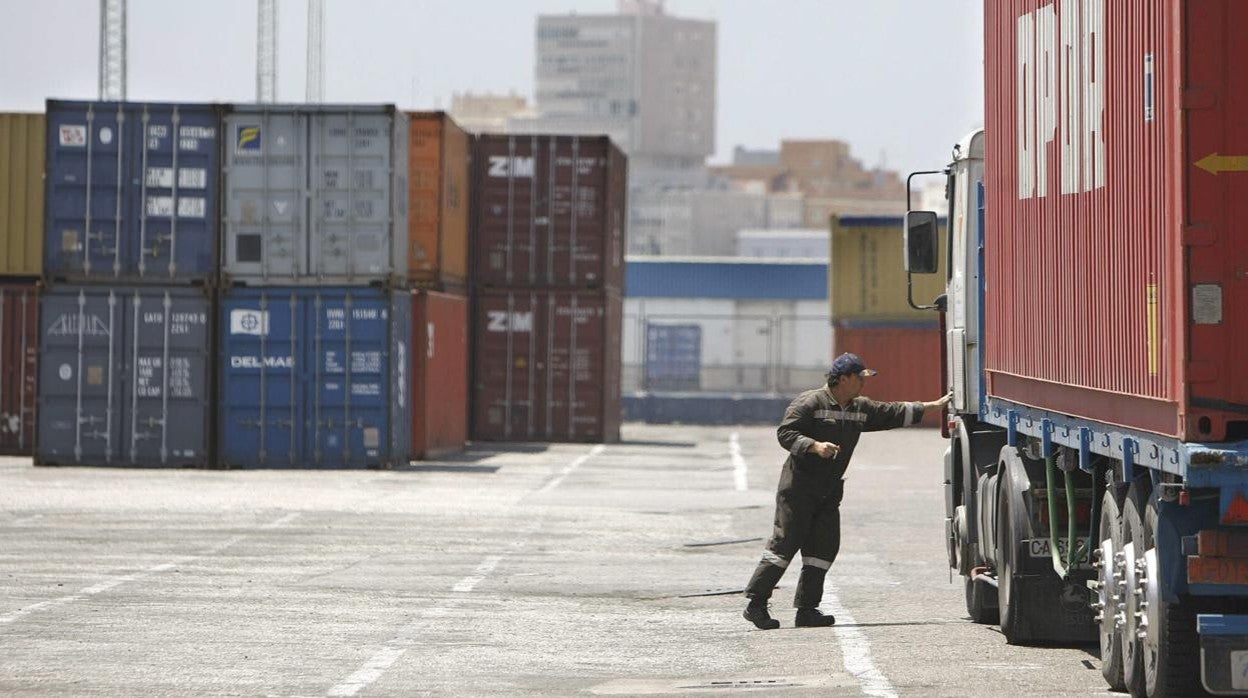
{"x": 866, "y": 276}
{"x": 21, "y": 194}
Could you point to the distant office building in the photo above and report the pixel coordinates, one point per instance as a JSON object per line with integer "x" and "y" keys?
{"x": 798, "y": 243}
{"x": 488, "y": 112}
{"x": 823, "y": 171}
{"x": 705, "y": 221}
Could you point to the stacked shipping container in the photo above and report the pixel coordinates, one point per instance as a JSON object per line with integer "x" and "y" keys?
{"x": 871, "y": 316}
{"x": 21, "y": 244}
{"x": 129, "y": 258}
{"x": 549, "y": 218}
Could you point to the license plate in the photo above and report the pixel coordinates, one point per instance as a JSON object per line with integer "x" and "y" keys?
{"x": 1039, "y": 547}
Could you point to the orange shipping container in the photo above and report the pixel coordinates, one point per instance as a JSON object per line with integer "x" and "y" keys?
{"x": 437, "y": 193}
{"x": 907, "y": 355}
{"x": 439, "y": 373}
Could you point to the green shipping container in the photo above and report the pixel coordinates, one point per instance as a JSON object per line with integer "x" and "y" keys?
{"x": 22, "y": 149}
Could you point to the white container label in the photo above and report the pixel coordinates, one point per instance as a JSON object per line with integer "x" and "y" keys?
{"x": 73, "y": 136}
{"x": 188, "y": 206}
{"x": 188, "y": 177}
{"x": 249, "y": 322}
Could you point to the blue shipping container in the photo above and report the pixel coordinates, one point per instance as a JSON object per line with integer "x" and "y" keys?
{"x": 314, "y": 378}
{"x": 132, "y": 192}
{"x": 673, "y": 357}
{"x": 125, "y": 375}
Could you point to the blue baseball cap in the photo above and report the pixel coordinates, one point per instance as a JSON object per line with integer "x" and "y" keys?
{"x": 848, "y": 364}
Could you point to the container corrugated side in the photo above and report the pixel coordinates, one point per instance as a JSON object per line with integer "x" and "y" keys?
{"x": 1113, "y": 209}
{"x": 132, "y": 192}
{"x": 438, "y": 201}
{"x": 866, "y": 279}
{"x": 439, "y": 375}
{"x": 125, "y": 376}
{"x": 315, "y": 195}
{"x": 314, "y": 377}
{"x": 546, "y": 365}
{"x": 22, "y": 138}
{"x": 906, "y": 354}
{"x": 549, "y": 211}
{"x": 19, "y": 367}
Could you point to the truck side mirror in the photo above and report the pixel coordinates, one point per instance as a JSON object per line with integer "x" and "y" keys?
{"x": 921, "y": 242}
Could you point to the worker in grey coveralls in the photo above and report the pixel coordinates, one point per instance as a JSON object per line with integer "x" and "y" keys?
{"x": 820, "y": 430}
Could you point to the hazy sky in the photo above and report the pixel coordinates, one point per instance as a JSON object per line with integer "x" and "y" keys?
{"x": 900, "y": 77}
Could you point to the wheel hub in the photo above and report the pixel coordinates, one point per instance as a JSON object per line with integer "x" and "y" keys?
{"x": 1108, "y": 594}
{"x": 1127, "y": 586}
{"x": 1148, "y": 612}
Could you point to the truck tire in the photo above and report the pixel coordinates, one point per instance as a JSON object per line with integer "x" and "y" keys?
{"x": 981, "y": 602}
{"x": 1012, "y": 602}
{"x": 1133, "y": 534}
{"x": 1110, "y": 528}
{"x": 1172, "y": 661}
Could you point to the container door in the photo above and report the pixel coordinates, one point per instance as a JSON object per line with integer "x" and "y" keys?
{"x": 426, "y": 169}
{"x": 80, "y": 387}
{"x": 167, "y": 393}
{"x": 176, "y": 161}
{"x": 19, "y": 332}
{"x": 573, "y": 381}
{"x": 259, "y": 423}
{"x": 506, "y": 369}
{"x": 1216, "y": 78}
{"x": 264, "y": 212}
{"x": 515, "y": 229}
{"x": 350, "y": 237}
{"x": 23, "y": 149}
{"x": 87, "y": 191}
{"x": 579, "y": 227}
{"x": 347, "y": 403}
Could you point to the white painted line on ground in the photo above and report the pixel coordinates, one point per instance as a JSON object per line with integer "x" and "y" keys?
{"x": 470, "y": 582}
{"x": 379, "y": 663}
{"x": 370, "y": 672}
{"x": 27, "y": 520}
{"x": 738, "y": 463}
{"x": 113, "y": 583}
{"x": 571, "y": 467}
{"x": 856, "y": 650}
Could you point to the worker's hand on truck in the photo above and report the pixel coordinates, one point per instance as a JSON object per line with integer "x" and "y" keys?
{"x": 938, "y": 404}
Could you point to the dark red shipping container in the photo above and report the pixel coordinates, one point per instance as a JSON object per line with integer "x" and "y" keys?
{"x": 546, "y": 365}
{"x": 549, "y": 211}
{"x": 1116, "y": 192}
{"x": 19, "y": 367}
{"x": 439, "y": 373}
{"x": 906, "y": 354}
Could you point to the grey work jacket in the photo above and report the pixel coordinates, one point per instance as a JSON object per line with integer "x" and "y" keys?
{"x": 814, "y": 416}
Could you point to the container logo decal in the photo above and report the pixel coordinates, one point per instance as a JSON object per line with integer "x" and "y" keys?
{"x": 503, "y": 166}
{"x": 74, "y": 136}
{"x": 266, "y": 362}
{"x": 247, "y": 139}
{"x": 68, "y": 325}
{"x": 1061, "y": 54}
{"x": 503, "y": 321}
{"x": 65, "y": 372}
{"x": 254, "y": 322}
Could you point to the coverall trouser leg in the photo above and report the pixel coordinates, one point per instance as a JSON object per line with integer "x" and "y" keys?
{"x": 809, "y": 524}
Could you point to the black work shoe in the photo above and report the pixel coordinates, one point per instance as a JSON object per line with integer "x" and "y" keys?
{"x": 813, "y": 618}
{"x": 756, "y": 613}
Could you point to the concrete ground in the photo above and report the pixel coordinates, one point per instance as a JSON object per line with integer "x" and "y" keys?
{"x": 534, "y": 570}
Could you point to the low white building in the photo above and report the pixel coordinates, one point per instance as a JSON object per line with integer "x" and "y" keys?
{"x": 725, "y": 325}
{"x": 798, "y": 243}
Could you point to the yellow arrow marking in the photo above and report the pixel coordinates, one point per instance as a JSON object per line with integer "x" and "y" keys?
{"x": 1213, "y": 164}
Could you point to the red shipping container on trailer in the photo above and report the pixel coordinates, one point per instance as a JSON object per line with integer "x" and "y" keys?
{"x": 439, "y": 374}
{"x": 549, "y": 211}
{"x": 19, "y": 367}
{"x": 546, "y": 365}
{"x": 1117, "y": 183}
{"x": 906, "y": 354}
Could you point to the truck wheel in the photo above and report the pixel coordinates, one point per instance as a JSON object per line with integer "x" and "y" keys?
{"x": 1133, "y": 535}
{"x": 1109, "y": 535}
{"x": 981, "y": 602}
{"x": 1170, "y": 646}
{"x": 1011, "y": 599}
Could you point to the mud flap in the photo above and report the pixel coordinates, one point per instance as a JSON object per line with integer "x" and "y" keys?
{"x": 1223, "y": 653}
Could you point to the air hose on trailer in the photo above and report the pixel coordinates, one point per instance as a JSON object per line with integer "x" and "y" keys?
{"x": 1072, "y": 555}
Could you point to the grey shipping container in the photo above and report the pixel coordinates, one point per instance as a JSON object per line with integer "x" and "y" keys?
{"x": 549, "y": 211}
{"x": 315, "y": 195}
{"x": 124, "y": 376}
